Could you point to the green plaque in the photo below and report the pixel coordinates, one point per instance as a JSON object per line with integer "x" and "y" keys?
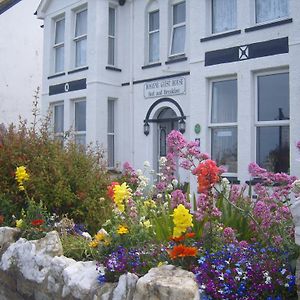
{"x": 197, "y": 128}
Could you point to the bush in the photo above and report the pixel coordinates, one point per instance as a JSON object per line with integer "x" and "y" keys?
{"x": 67, "y": 180}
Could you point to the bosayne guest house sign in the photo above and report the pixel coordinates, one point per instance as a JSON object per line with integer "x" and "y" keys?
{"x": 165, "y": 87}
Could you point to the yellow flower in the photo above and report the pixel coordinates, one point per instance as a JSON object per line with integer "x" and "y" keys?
{"x": 100, "y": 236}
{"x": 147, "y": 224}
{"x": 122, "y": 230}
{"x": 94, "y": 243}
{"x": 182, "y": 220}
{"x": 150, "y": 203}
{"x": 19, "y": 223}
{"x": 121, "y": 193}
{"x": 21, "y": 176}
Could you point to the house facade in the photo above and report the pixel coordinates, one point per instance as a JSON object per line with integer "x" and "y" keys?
{"x": 21, "y": 50}
{"x": 225, "y": 73}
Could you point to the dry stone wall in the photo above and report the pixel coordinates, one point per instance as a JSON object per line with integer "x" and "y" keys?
{"x": 38, "y": 270}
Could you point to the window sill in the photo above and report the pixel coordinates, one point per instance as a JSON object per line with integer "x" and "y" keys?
{"x": 176, "y": 59}
{"x": 56, "y": 75}
{"x": 151, "y": 66}
{"x": 78, "y": 70}
{"x": 268, "y": 25}
{"x": 110, "y": 68}
{"x": 220, "y": 35}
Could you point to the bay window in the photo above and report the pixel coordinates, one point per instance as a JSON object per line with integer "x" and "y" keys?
{"x": 272, "y": 124}
{"x": 223, "y": 124}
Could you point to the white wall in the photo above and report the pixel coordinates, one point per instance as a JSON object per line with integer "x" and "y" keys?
{"x": 21, "y": 41}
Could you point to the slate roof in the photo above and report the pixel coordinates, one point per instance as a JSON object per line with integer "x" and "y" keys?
{"x": 7, "y": 4}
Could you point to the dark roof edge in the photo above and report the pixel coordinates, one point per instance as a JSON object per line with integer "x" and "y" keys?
{"x": 8, "y": 5}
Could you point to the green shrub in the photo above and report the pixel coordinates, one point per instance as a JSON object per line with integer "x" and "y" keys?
{"x": 67, "y": 180}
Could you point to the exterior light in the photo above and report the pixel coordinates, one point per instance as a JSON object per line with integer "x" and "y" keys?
{"x": 146, "y": 128}
{"x": 181, "y": 126}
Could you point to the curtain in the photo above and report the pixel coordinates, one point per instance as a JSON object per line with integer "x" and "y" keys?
{"x": 224, "y": 15}
{"x": 267, "y": 10}
{"x": 81, "y": 23}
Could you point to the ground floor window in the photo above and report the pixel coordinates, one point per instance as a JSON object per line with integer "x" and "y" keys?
{"x": 58, "y": 121}
{"x": 80, "y": 121}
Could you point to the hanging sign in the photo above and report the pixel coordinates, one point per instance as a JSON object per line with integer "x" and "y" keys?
{"x": 165, "y": 87}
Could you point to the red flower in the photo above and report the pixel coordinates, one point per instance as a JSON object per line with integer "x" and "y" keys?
{"x": 177, "y": 239}
{"x": 182, "y": 251}
{"x": 190, "y": 235}
{"x": 110, "y": 190}
{"x": 37, "y": 222}
{"x": 208, "y": 174}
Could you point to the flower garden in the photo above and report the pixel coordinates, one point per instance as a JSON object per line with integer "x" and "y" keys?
{"x": 237, "y": 240}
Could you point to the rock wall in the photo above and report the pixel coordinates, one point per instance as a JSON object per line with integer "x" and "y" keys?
{"x": 38, "y": 270}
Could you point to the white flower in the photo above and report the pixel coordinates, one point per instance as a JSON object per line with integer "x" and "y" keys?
{"x": 296, "y": 186}
{"x": 159, "y": 196}
{"x": 162, "y": 161}
{"x": 139, "y": 172}
{"x": 146, "y": 164}
{"x": 87, "y": 235}
{"x": 170, "y": 187}
{"x": 175, "y": 182}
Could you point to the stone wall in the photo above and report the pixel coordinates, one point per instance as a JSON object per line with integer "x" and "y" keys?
{"x": 38, "y": 270}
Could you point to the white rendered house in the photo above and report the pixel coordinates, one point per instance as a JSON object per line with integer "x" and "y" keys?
{"x": 21, "y": 50}
{"x": 225, "y": 72}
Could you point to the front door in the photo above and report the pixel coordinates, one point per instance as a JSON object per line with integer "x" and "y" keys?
{"x": 166, "y": 122}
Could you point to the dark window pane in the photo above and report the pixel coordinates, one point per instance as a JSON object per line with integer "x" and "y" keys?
{"x": 224, "y": 147}
{"x": 111, "y": 51}
{"x": 273, "y": 97}
{"x": 81, "y": 23}
{"x": 110, "y": 116}
{"x": 60, "y": 31}
{"x": 273, "y": 148}
{"x": 224, "y": 101}
{"x": 179, "y": 13}
{"x": 58, "y": 118}
{"x": 112, "y": 21}
{"x": 178, "y": 44}
{"x": 80, "y": 116}
{"x": 110, "y": 151}
{"x": 154, "y": 20}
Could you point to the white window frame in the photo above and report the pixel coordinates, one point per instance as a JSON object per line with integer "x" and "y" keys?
{"x": 212, "y": 125}
{"x": 273, "y": 123}
{"x": 113, "y": 37}
{"x": 57, "y": 135}
{"x": 152, "y": 32}
{"x": 212, "y": 20}
{"x": 78, "y": 133}
{"x": 271, "y": 20}
{"x": 58, "y": 45}
{"x": 80, "y": 37}
{"x": 113, "y": 133}
{"x": 182, "y": 24}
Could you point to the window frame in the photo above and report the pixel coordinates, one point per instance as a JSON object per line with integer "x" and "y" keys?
{"x": 271, "y": 20}
{"x": 58, "y": 135}
{"x": 112, "y": 133}
{"x": 212, "y": 20}
{"x": 79, "y": 132}
{"x": 153, "y": 32}
{"x": 215, "y": 125}
{"x": 113, "y": 37}
{"x": 79, "y": 38}
{"x": 272, "y": 123}
{"x": 58, "y": 45}
{"x": 174, "y": 26}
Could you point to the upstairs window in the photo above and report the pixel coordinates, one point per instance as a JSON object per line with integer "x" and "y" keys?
{"x": 153, "y": 36}
{"x": 112, "y": 36}
{"x": 111, "y": 133}
{"x": 80, "y": 38}
{"x": 224, "y": 15}
{"x": 178, "y": 29}
{"x": 80, "y": 122}
{"x": 59, "y": 45}
{"x": 267, "y": 10}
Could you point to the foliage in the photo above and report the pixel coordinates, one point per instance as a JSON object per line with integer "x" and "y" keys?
{"x": 67, "y": 180}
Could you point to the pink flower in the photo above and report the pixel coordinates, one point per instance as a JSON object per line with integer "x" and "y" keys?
{"x": 229, "y": 235}
{"x": 177, "y": 197}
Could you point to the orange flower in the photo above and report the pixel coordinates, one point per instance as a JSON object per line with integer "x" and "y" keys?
{"x": 1, "y": 219}
{"x": 110, "y": 190}
{"x": 177, "y": 239}
{"x": 182, "y": 251}
{"x": 208, "y": 174}
{"x": 37, "y": 222}
{"x": 190, "y": 235}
